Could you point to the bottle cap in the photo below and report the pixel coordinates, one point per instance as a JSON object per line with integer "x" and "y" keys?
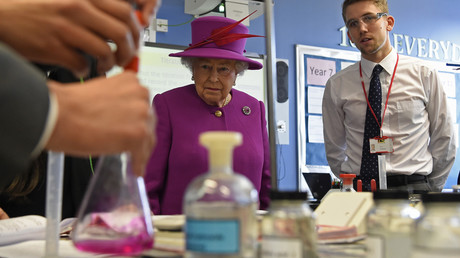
{"x": 440, "y": 197}
{"x": 220, "y": 145}
{"x": 391, "y": 194}
{"x": 347, "y": 178}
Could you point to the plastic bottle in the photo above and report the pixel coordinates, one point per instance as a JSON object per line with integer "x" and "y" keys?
{"x": 220, "y": 206}
{"x": 288, "y": 229}
{"x": 347, "y": 182}
{"x": 114, "y": 217}
{"x": 437, "y": 232}
{"x": 390, "y": 225}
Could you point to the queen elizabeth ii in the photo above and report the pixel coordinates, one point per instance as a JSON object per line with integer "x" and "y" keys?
{"x": 215, "y": 59}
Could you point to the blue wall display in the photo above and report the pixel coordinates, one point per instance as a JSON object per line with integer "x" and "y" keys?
{"x": 424, "y": 28}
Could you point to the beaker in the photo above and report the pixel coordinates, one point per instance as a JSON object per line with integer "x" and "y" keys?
{"x": 391, "y": 225}
{"x": 114, "y": 217}
{"x": 289, "y": 228}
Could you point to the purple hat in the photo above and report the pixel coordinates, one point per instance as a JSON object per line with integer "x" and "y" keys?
{"x": 221, "y": 38}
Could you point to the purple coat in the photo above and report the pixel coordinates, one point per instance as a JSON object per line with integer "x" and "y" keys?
{"x": 178, "y": 157}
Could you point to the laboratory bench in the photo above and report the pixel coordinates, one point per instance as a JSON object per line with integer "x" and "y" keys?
{"x": 36, "y": 248}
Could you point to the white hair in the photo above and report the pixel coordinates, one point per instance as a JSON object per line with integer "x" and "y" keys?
{"x": 240, "y": 66}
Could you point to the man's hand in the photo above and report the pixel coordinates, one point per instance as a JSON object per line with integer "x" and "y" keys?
{"x": 115, "y": 117}
{"x": 148, "y": 8}
{"x": 57, "y": 31}
{"x": 3, "y": 214}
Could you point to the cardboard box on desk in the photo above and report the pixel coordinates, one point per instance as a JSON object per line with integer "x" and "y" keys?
{"x": 342, "y": 215}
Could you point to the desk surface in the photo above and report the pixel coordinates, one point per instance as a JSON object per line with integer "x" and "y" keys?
{"x": 36, "y": 248}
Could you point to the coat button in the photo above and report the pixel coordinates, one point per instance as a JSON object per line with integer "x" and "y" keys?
{"x": 218, "y": 113}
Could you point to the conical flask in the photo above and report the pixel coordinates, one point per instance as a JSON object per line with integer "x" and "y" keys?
{"x": 114, "y": 217}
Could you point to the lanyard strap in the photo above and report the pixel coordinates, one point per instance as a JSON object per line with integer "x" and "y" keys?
{"x": 388, "y": 95}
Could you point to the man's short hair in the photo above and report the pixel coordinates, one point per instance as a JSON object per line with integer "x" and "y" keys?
{"x": 381, "y": 4}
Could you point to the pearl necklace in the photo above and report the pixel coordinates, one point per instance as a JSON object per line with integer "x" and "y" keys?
{"x": 227, "y": 100}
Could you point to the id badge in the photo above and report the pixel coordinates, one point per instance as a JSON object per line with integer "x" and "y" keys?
{"x": 381, "y": 144}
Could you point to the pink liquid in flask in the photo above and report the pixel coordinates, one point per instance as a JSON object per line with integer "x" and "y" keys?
{"x": 132, "y": 245}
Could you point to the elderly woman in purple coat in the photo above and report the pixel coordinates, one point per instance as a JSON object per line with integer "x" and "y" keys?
{"x": 215, "y": 59}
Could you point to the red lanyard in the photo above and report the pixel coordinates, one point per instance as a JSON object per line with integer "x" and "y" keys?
{"x": 388, "y": 95}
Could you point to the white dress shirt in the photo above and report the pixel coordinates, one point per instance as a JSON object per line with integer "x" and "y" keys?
{"x": 417, "y": 117}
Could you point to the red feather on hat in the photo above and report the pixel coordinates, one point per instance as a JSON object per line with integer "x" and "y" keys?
{"x": 222, "y": 36}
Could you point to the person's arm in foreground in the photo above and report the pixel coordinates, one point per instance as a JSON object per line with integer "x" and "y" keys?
{"x": 25, "y": 104}
{"x": 56, "y": 32}
{"x": 100, "y": 117}
{"x": 104, "y": 116}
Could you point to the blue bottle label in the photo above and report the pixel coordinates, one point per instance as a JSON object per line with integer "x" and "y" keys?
{"x": 213, "y": 236}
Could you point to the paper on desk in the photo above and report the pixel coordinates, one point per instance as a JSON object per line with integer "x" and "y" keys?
{"x": 169, "y": 234}
{"x": 31, "y": 227}
{"x": 168, "y": 222}
{"x": 337, "y": 234}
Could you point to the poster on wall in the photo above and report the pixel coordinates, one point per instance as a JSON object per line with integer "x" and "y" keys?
{"x": 315, "y": 66}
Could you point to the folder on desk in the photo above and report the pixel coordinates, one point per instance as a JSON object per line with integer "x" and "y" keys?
{"x": 341, "y": 216}
{"x": 169, "y": 234}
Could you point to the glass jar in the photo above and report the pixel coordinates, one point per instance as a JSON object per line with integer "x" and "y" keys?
{"x": 437, "y": 232}
{"x": 288, "y": 229}
{"x": 220, "y": 206}
{"x": 415, "y": 198}
{"x": 390, "y": 225}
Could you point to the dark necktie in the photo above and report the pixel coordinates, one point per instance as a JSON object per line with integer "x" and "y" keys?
{"x": 369, "y": 161}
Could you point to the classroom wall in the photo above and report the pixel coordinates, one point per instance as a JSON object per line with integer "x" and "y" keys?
{"x": 318, "y": 23}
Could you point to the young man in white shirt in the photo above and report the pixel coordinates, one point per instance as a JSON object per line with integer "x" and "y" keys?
{"x": 414, "y": 114}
